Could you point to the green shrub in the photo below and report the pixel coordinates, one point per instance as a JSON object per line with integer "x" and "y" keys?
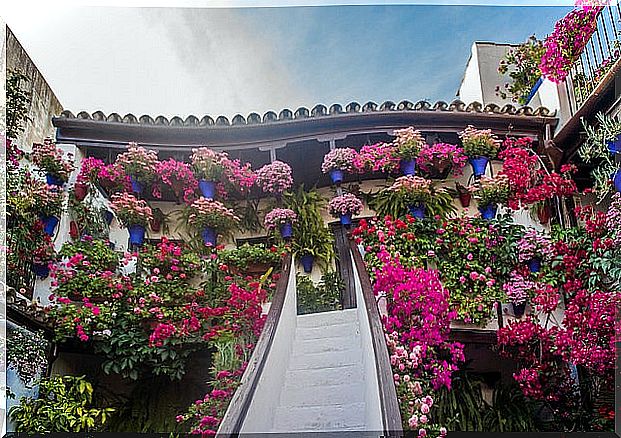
{"x": 321, "y": 298}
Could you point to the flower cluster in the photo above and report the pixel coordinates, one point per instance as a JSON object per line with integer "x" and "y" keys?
{"x": 552, "y": 184}
{"x": 138, "y": 162}
{"x": 439, "y": 158}
{"x": 208, "y": 164}
{"x": 408, "y": 143}
{"x": 534, "y": 245}
{"x": 519, "y": 289}
{"x": 378, "y": 157}
{"x": 339, "y": 159}
{"x": 520, "y": 167}
{"x": 564, "y": 46}
{"x": 46, "y": 199}
{"x": 413, "y": 189}
{"x": 50, "y": 158}
{"x": 130, "y": 210}
{"x": 479, "y": 142}
{"x": 492, "y": 191}
{"x": 522, "y": 66}
{"x": 275, "y": 177}
{"x": 205, "y": 213}
{"x": 89, "y": 170}
{"x": 278, "y": 217}
{"x": 347, "y": 204}
{"x": 178, "y": 176}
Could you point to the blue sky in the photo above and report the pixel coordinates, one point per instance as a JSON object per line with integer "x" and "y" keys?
{"x": 227, "y": 61}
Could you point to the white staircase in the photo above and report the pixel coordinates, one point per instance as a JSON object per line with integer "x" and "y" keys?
{"x": 324, "y": 387}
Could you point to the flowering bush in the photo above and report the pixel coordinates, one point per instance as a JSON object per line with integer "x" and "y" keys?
{"x": 520, "y": 167}
{"x": 114, "y": 178}
{"x": 534, "y": 245}
{"x": 178, "y": 176}
{"x": 51, "y": 159}
{"x": 553, "y": 184}
{"x": 347, "y": 204}
{"x": 275, "y": 177}
{"x": 278, "y": 217}
{"x": 564, "y": 46}
{"x": 90, "y": 169}
{"x": 408, "y": 143}
{"x": 437, "y": 159}
{"x": 413, "y": 189}
{"x": 520, "y": 289}
{"x": 240, "y": 176}
{"x": 138, "y": 163}
{"x": 378, "y": 157}
{"x": 522, "y": 64}
{"x": 492, "y": 191}
{"x": 479, "y": 142}
{"x": 205, "y": 213}
{"x": 26, "y": 354}
{"x": 130, "y": 210}
{"x": 208, "y": 164}
{"x": 339, "y": 159}
{"x": 47, "y": 200}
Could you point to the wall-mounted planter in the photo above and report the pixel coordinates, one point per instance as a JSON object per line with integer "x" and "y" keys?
{"x": 479, "y": 165}
{"x": 53, "y": 180}
{"x": 534, "y": 264}
{"x": 137, "y": 186}
{"x": 464, "y": 199}
{"x": 286, "y": 230}
{"x": 346, "y": 219}
{"x": 488, "y": 212}
{"x": 80, "y": 190}
{"x": 518, "y": 309}
{"x": 337, "y": 175}
{"x": 307, "y": 263}
{"x": 616, "y": 179}
{"x": 40, "y": 270}
{"x": 49, "y": 224}
{"x": 614, "y": 147}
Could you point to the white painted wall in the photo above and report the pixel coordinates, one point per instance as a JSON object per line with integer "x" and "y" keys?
{"x": 470, "y": 89}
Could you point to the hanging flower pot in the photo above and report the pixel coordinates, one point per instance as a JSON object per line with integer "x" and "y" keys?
{"x": 464, "y": 199}
{"x": 136, "y": 234}
{"x": 534, "y": 264}
{"x": 408, "y": 167}
{"x": 346, "y": 219}
{"x": 307, "y": 263}
{"x": 489, "y": 211}
{"x": 614, "y": 147}
{"x": 74, "y": 232}
{"x": 49, "y": 224}
{"x": 208, "y": 188}
{"x": 41, "y": 270}
{"x": 108, "y": 216}
{"x": 286, "y": 230}
{"x": 210, "y": 236}
{"x": 53, "y": 180}
{"x": 518, "y": 309}
{"x": 479, "y": 165}
{"x": 156, "y": 225}
{"x": 417, "y": 210}
{"x": 533, "y": 91}
{"x": 137, "y": 186}
{"x": 617, "y": 180}
{"x": 80, "y": 190}
{"x": 336, "y": 175}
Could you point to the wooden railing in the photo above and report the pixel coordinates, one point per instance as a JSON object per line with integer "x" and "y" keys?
{"x": 391, "y": 416}
{"x": 240, "y": 403}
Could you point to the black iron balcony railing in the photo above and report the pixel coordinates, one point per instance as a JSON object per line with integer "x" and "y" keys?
{"x": 597, "y": 59}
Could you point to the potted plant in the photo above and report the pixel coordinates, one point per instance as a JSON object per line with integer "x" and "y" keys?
{"x": 178, "y": 178}
{"x": 89, "y": 174}
{"x": 283, "y": 219}
{"x": 47, "y": 202}
{"x": 415, "y": 191}
{"x": 42, "y": 256}
{"x": 489, "y": 192}
{"x": 439, "y": 160}
{"x": 522, "y": 65}
{"x": 51, "y": 159}
{"x": 480, "y": 145}
{"x": 602, "y": 139}
{"x": 519, "y": 290}
{"x": 208, "y": 167}
{"x": 251, "y": 259}
{"x": 344, "y": 207}
{"x": 337, "y": 162}
{"x": 407, "y": 146}
{"x": 210, "y": 217}
{"x": 534, "y": 248}
{"x": 465, "y": 195}
{"x": 139, "y": 164}
{"x": 134, "y": 214}
{"x": 275, "y": 178}
{"x": 378, "y": 157}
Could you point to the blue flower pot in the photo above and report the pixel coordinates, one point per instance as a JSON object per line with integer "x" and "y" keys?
{"x": 336, "y": 175}
{"x": 41, "y": 271}
{"x": 614, "y": 147}
{"x": 408, "y": 167}
{"x": 479, "y": 165}
{"x": 417, "y": 210}
{"x": 286, "y": 230}
{"x": 210, "y": 236}
{"x": 617, "y": 180}
{"x": 49, "y": 224}
{"x": 136, "y": 185}
{"x": 136, "y": 234}
{"x": 489, "y": 211}
{"x": 108, "y": 216}
{"x": 534, "y": 264}
{"x": 307, "y": 263}
{"x": 208, "y": 188}
{"x": 346, "y": 219}
{"x": 518, "y": 309}
{"x": 533, "y": 91}
{"x": 53, "y": 180}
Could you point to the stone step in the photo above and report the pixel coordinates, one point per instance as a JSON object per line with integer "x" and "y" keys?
{"x": 299, "y": 395}
{"x": 325, "y": 345}
{"x": 320, "y": 418}
{"x": 329, "y": 359}
{"x": 327, "y": 318}
{"x": 328, "y": 331}
{"x": 325, "y": 376}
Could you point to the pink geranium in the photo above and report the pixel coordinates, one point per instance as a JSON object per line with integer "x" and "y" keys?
{"x": 378, "y": 157}
{"x": 347, "y": 204}
{"x": 275, "y": 177}
{"x": 52, "y": 159}
{"x": 278, "y": 217}
{"x": 178, "y": 176}
{"x": 138, "y": 162}
{"x": 339, "y": 159}
{"x": 130, "y": 210}
{"x": 441, "y": 156}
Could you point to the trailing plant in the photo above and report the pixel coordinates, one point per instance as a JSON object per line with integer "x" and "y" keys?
{"x": 245, "y": 255}
{"x": 26, "y": 354}
{"x": 64, "y": 405}
{"x": 390, "y": 203}
{"x": 324, "y": 297}
{"x": 522, "y": 65}
{"x": 17, "y": 103}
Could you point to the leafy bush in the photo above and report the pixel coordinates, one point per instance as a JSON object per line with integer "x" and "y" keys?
{"x": 245, "y": 255}
{"x": 321, "y": 298}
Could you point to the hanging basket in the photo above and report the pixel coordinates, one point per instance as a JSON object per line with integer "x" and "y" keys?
{"x": 49, "y": 224}
{"x": 417, "y": 210}
{"x": 337, "y": 175}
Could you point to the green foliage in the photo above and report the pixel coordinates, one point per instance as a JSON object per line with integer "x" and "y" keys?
{"x": 17, "y": 104}
{"x": 324, "y": 297}
{"x": 313, "y": 237}
{"x": 88, "y": 217}
{"x": 64, "y": 405}
{"x": 98, "y": 253}
{"x": 595, "y": 151}
{"x": 247, "y": 254}
{"x": 248, "y": 213}
{"x": 510, "y": 411}
{"x": 522, "y": 64}
{"x": 26, "y": 353}
{"x": 390, "y": 203}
